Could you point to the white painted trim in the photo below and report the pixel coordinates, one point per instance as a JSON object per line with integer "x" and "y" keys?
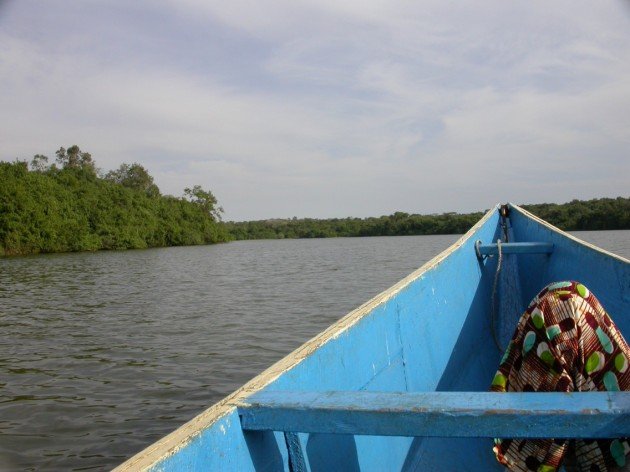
{"x": 178, "y": 439}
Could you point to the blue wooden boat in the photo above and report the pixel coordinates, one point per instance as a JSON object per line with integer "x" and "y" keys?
{"x": 401, "y": 382}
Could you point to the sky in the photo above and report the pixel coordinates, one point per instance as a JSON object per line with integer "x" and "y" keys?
{"x": 328, "y": 108}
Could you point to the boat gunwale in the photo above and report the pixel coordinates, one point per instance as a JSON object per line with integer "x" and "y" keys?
{"x": 179, "y": 438}
{"x": 557, "y": 230}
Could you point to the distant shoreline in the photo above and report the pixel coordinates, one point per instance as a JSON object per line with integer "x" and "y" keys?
{"x": 596, "y": 214}
{"x": 74, "y": 208}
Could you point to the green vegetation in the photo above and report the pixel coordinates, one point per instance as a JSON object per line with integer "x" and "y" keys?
{"x": 599, "y": 214}
{"x": 579, "y": 215}
{"x": 398, "y": 224}
{"x": 70, "y": 206}
{"x": 67, "y": 206}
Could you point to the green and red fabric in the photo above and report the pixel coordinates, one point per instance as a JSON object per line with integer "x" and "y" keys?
{"x": 564, "y": 342}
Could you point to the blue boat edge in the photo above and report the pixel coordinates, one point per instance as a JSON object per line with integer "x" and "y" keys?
{"x": 179, "y": 438}
{"x": 220, "y": 442}
{"x": 575, "y": 239}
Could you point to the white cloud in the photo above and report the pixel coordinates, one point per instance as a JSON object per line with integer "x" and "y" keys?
{"x": 351, "y": 108}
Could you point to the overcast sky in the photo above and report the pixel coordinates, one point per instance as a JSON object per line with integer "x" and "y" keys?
{"x": 328, "y": 108}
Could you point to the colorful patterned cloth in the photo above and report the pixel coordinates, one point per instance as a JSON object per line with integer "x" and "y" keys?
{"x": 564, "y": 342}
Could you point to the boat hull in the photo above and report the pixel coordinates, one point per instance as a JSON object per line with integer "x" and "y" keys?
{"x": 431, "y": 332}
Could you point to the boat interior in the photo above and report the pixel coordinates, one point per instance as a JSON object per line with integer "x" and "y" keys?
{"x": 435, "y": 331}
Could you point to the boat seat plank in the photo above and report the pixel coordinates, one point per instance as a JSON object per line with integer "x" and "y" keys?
{"x": 441, "y": 414}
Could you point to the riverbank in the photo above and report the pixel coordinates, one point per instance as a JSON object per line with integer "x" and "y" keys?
{"x": 577, "y": 215}
{"x": 73, "y": 209}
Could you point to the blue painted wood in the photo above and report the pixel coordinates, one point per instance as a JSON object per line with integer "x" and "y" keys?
{"x": 442, "y": 414}
{"x": 432, "y": 334}
{"x": 224, "y": 446}
{"x": 606, "y": 276}
{"x": 516, "y": 248}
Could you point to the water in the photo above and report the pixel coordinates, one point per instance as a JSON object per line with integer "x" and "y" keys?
{"x": 103, "y": 353}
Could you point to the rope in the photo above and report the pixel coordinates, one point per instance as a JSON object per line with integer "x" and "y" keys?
{"x": 493, "y": 302}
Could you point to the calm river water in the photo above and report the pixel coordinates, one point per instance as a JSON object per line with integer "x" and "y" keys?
{"x": 103, "y": 353}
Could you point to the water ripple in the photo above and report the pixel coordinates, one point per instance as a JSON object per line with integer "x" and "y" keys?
{"x": 104, "y": 353}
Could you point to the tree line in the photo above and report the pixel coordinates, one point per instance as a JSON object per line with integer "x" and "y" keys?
{"x": 69, "y": 205}
{"x": 597, "y": 214}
